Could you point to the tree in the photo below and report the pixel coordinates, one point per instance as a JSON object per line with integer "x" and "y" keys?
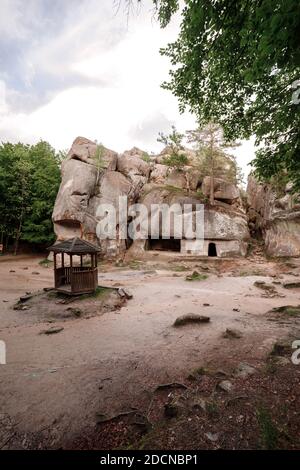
{"x": 23, "y": 179}
{"x": 45, "y": 168}
{"x": 177, "y": 158}
{"x": 99, "y": 160}
{"x": 15, "y": 175}
{"x": 29, "y": 181}
{"x": 211, "y": 151}
{"x": 238, "y": 63}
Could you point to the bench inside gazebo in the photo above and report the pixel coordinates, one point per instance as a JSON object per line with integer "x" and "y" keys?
{"x": 71, "y": 278}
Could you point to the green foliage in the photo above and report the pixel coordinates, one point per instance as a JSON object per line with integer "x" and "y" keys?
{"x": 99, "y": 159}
{"x": 212, "y": 153}
{"x": 176, "y": 161}
{"x": 165, "y": 9}
{"x": 199, "y": 194}
{"x": 237, "y": 63}
{"x": 45, "y": 262}
{"x": 99, "y": 292}
{"x": 269, "y": 431}
{"x": 212, "y": 407}
{"x": 177, "y": 158}
{"x": 29, "y": 181}
{"x": 146, "y": 157}
{"x": 99, "y": 156}
{"x": 195, "y": 276}
{"x": 279, "y": 182}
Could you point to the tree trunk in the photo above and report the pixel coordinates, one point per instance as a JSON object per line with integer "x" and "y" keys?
{"x": 1, "y": 243}
{"x": 6, "y": 242}
{"x": 212, "y": 188}
{"x": 17, "y": 241}
{"x": 18, "y": 235}
{"x": 187, "y": 180}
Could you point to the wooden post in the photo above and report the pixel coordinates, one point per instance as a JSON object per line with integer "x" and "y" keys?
{"x": 55, "y": 275}
{"x": 81, "y": 261}
{"x": 71, "y": 272}
{"x": 92, "y": 261}
{"x": 62, "y": 260}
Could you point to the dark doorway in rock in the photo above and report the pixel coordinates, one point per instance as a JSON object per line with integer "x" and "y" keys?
{"x": 162, "y": 244}
{"x": 212, "y": 249}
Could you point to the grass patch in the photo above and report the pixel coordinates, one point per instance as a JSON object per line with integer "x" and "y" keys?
{"x": 195, "y": 276}
{"x": 197, "y": 373}
{"x": 179, "y": 268}
{"x": 289, "y": 310}
{"x": 52, "y": 294}
{"x": 254, "y": 272}
{"x": 174, "y": 189}
{"x": 271, "y": 366}
{"x": 45, "y": 262}
{"x": 292, "y": 311}
{"x": 280, "y": 349}
{"x": 135, "y": 264}
{"x": 268, "y": 430}
{"x": 200, "y": 371}
{"x": 263, "y": 285}
{"x": 99, "y": 292}
{"x": 212, "y": 407}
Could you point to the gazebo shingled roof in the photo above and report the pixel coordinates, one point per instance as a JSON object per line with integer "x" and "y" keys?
{"x": 74, "y": 246}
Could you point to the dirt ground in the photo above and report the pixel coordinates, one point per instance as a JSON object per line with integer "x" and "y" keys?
{"x": 60, "y": 390}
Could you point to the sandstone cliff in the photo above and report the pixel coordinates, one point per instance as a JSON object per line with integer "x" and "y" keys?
{"x": 275, "y": 216}
{"x": 88, "y": 182}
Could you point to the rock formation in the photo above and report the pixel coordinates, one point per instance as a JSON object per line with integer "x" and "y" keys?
{"x": 88, "y": 183}
{"x": 275, "y": 215}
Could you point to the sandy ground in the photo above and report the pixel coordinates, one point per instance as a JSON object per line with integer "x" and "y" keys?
{"x": 53, "y": 386}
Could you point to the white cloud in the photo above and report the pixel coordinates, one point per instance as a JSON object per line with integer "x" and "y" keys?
{"x": 119, "y": 102}
{"x": 11, "y": 25}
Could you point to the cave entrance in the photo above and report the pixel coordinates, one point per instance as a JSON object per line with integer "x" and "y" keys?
{"x": 212, "y": 249}
{"x": 162, "y": 244}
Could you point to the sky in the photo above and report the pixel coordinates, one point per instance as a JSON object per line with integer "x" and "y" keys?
{"x": 73, "y": 68}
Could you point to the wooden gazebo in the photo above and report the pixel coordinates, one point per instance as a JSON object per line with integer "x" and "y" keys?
{"x": 79, "y": 279}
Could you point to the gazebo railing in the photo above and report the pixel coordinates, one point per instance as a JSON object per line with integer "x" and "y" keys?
{"x": 62, "y": 276}
{"x": 83, "y": 280}
{"x": 80, "y": 278}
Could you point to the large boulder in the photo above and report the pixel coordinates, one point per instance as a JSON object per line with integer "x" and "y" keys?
{"x": 85, "y": 150}
{"x": 77, "y": 187}
{"x": 177, "y": 179}
{"x": 131, "y": 164}
{"x": 159, "y": 174}
{"x": 83, "y": 188}
{"x": 88, "y": 183}
{"x": 113, "y": 185}
{"x": 221, "y": 224}
{"x": 276, "y": 216}
{"x": 169, "y": 196}
{"x": 282, "y": 235}
{"x": 223, "y": 190}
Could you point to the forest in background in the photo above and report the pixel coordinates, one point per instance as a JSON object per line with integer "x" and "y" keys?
{"x": 29, "y": 181}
